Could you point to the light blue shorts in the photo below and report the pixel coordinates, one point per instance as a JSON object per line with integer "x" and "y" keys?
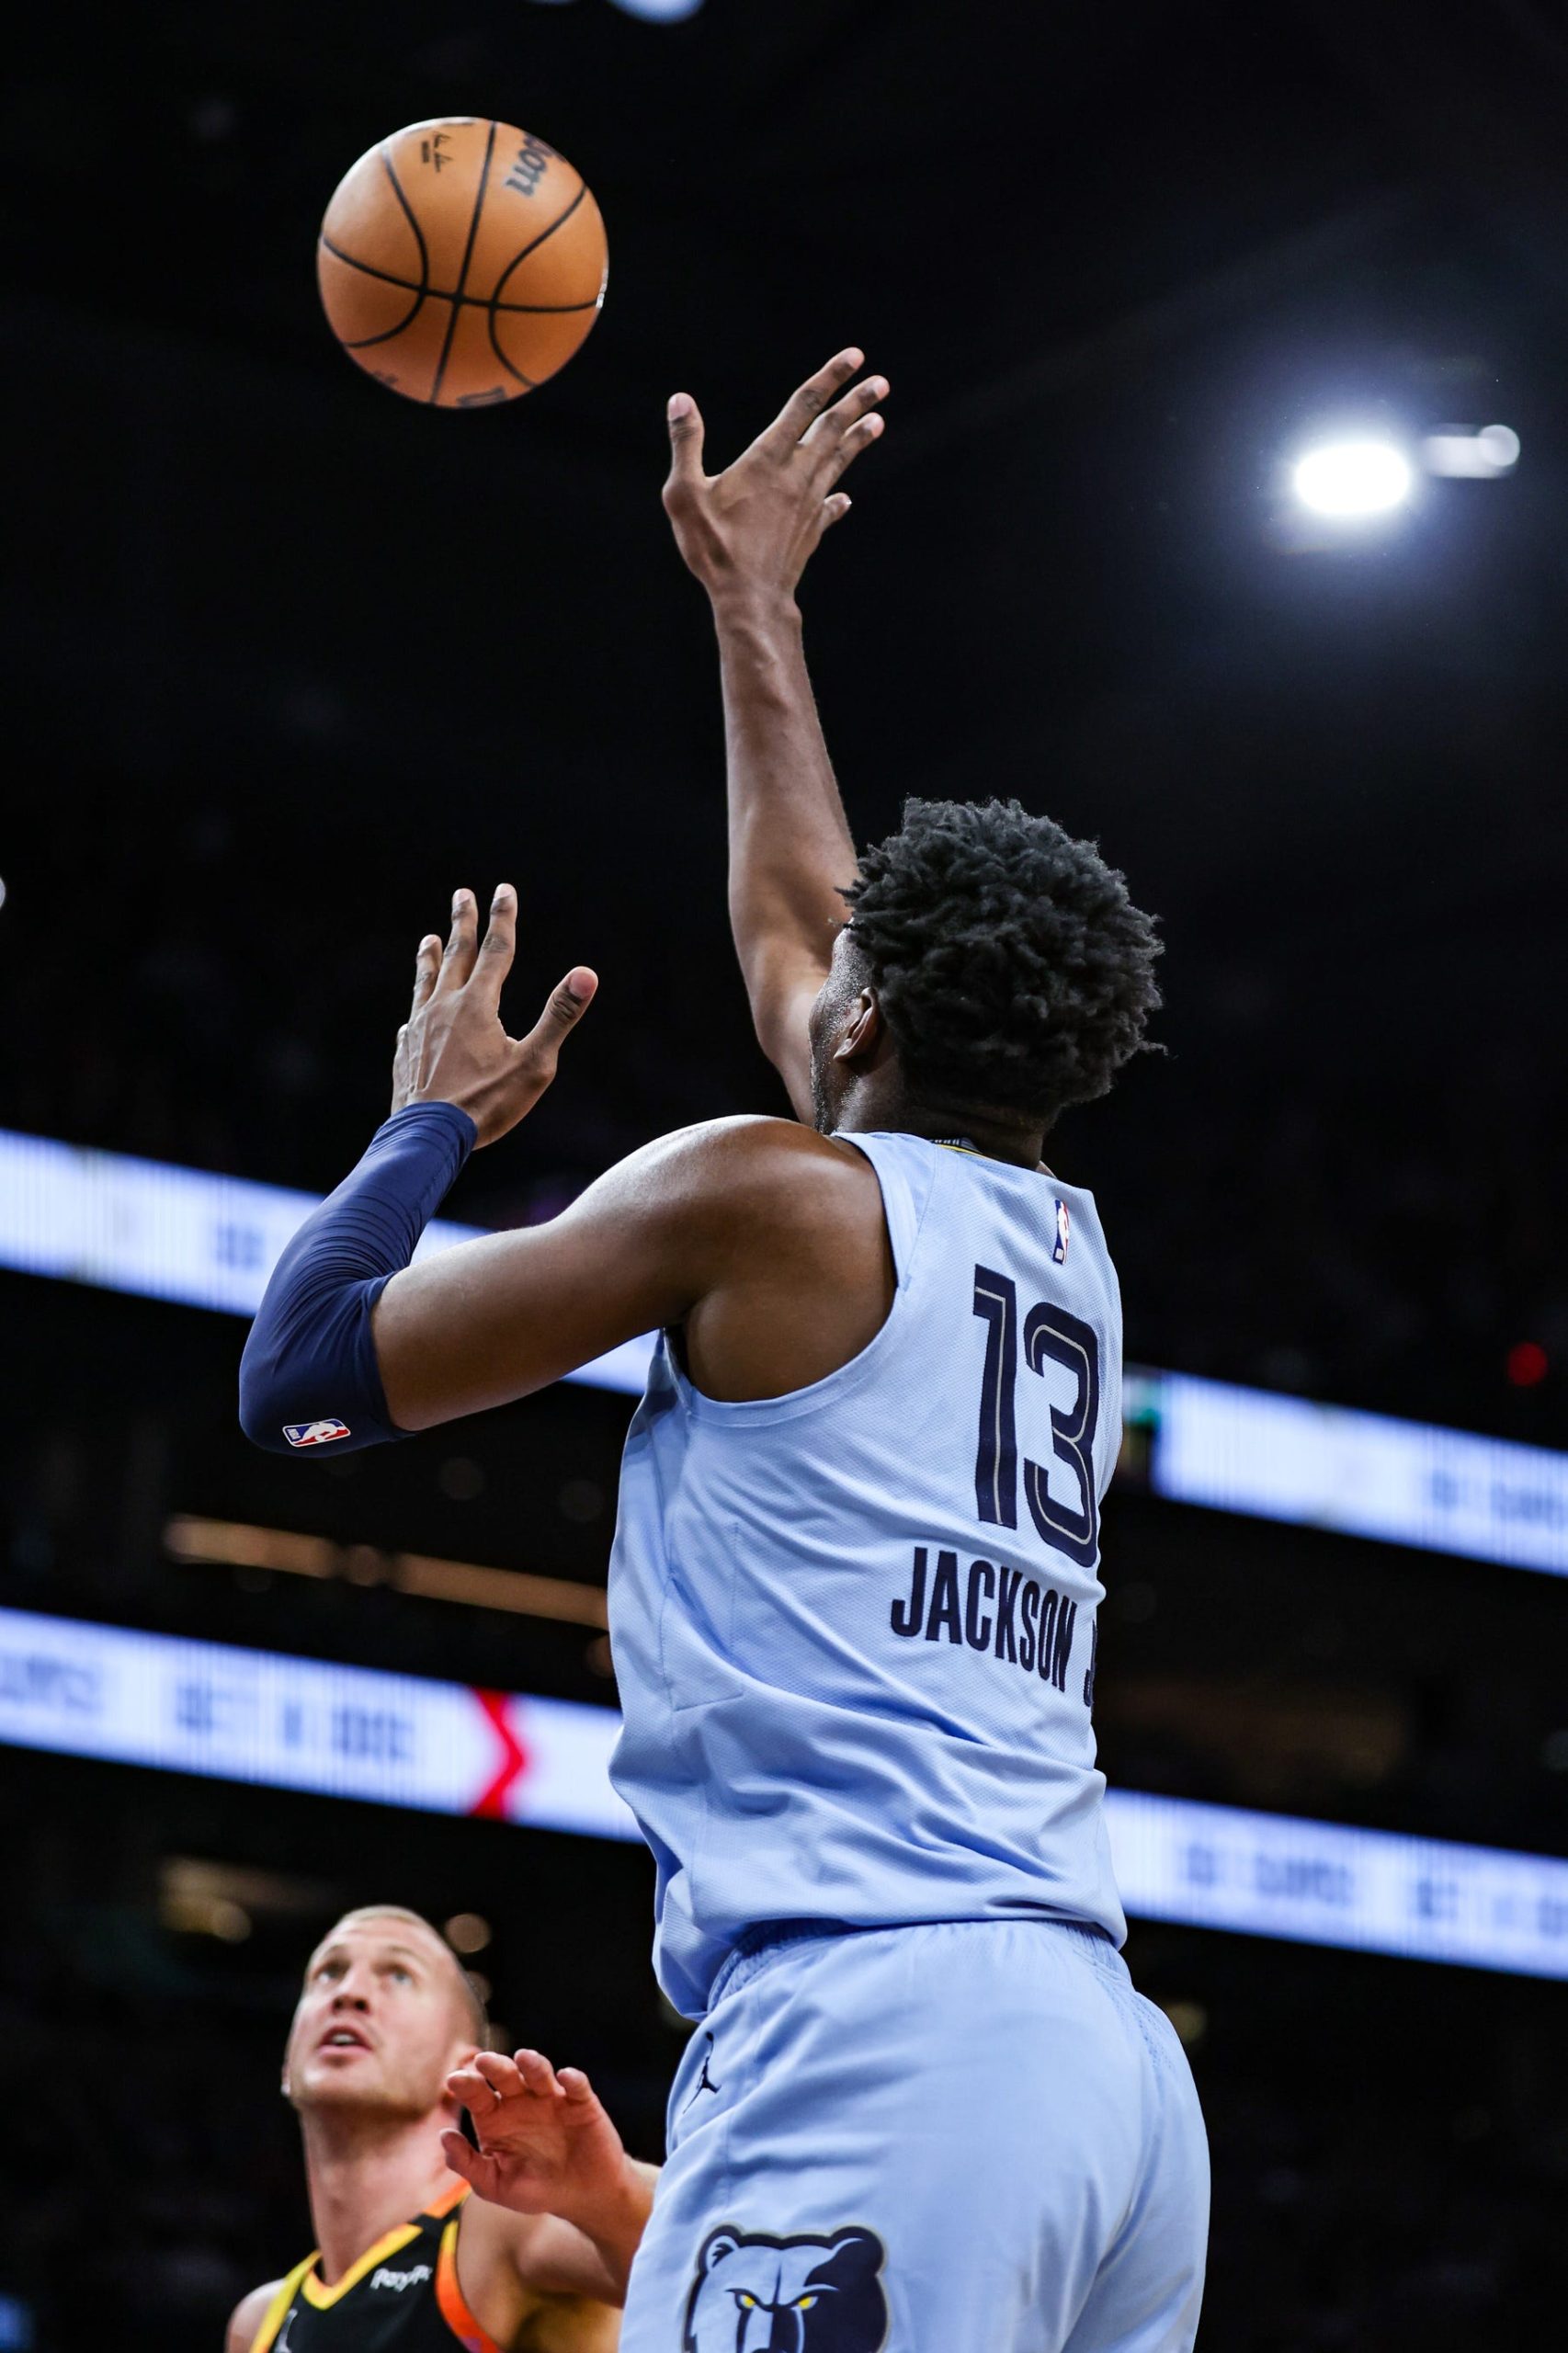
{"x": 972, "y": 2137}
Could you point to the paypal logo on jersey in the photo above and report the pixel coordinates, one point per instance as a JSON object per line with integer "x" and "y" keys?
{"x": 754, "y": 2293}
{"x": 415, "y": 2276}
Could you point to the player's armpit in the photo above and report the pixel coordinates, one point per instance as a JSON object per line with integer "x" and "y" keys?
{"x": 783, "y": 992}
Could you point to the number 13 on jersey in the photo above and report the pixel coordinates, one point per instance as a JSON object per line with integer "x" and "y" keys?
{"x": 1046, "y": 1334}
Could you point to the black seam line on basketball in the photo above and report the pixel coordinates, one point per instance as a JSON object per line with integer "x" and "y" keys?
{"x": 497, "y": 304}
{"x": 462, "y": 274}
{"x": 413, "y": 222}
{"x": 439, "y": 294}
{"x": 528, "y": 383}
{"x": 564, "y": 214}
{"x": 363, "y": 342}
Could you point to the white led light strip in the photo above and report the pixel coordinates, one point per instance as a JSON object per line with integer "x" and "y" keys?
{"x": 205, "y": 1241}
{"x": 350, "y": 1732}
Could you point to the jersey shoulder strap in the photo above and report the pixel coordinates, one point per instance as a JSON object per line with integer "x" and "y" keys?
{"x": 272, "y": 2319}
{"x": 450, "y": 2301}
{"x": 908, "y": 1170}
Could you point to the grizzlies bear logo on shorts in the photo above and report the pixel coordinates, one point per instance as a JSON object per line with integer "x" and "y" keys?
{"x": 756, "y": 2295}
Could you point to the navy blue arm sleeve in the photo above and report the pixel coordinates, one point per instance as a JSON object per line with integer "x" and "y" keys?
{"x": 309, "y": 1375}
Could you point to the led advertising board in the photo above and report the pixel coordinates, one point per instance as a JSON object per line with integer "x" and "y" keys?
{"x": 350, "y": 1732}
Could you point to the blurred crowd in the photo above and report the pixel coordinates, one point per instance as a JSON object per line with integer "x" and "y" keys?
{"x": 1390, "y": 1240}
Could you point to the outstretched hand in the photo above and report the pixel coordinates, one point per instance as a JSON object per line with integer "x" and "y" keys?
{"x": 546, "y": 2145}
{"x": 452, "y": 1048}
{"x": 757, "y": 525}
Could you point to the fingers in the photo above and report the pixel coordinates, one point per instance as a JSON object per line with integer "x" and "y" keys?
{"x": 470, "y": 2089}
{"x": 427, "y": 964}
{"x": 803, "y": 407}
{"x": 475, "y": 2167}
{"x": 566, "y": 1007}
{"x": 499, "y": 2072}
{"x": 490, "y": 2077}
{"x": 838, "y": 455}
{"x": 463, "y": 943}
{"x": 485, "y": 965}
{"x": 467, "y": 956}
{"x": 835, "y": 509}
{"x": 575, "y": 2083}
{"x": 538, "y": 2074}
{"x": 685, "y": 441}
{"x": 857, "y": 402}
{"x": 475, "y": 2091}
{"x": 499, "y": 945}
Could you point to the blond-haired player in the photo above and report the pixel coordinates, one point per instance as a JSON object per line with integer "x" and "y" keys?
{"x": 385, "y": 2050}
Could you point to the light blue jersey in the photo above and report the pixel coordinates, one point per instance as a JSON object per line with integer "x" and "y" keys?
{"x": 855, "y": 1634}
{"x": 854, "y": 1626}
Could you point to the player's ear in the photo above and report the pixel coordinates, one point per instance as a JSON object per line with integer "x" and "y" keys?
{"x": 865, "y": 1032}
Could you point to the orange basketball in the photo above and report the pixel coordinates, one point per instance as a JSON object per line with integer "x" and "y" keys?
{"x": 462, "y": 262}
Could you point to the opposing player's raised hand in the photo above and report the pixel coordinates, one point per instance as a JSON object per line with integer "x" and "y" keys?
{"x": 546, "y": 2145}
{"x": 757, "y": 524}
{"x": 452, "y": 1048}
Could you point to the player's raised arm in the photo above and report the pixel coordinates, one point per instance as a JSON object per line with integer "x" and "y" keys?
{"x": 353, "y": 1344}
{"x": 711, "y": 1227}
{"x": 748, "y": 534}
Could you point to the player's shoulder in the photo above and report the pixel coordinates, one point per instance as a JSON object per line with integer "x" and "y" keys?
{"x": 245, "y": 2319}
{"x": 751, "y": 1167}
{"x": 753, "y": 1148}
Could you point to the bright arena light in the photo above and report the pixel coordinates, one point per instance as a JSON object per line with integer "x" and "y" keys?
{"x": 1353, "y": 478}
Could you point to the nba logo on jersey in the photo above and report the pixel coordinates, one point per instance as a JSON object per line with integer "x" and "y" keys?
{"x": 1064, "y": 1225}
{"x": 314, "y": 1433}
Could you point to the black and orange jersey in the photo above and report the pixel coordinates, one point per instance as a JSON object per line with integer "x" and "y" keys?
{"x": 401, "y": 2297}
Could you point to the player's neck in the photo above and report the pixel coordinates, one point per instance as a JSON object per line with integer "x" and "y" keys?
{"x": 878, "y": 1102}
{"x": 367, "y": 2175}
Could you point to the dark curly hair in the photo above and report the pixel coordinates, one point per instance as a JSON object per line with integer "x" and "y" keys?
{"x": 1014, "y": 971}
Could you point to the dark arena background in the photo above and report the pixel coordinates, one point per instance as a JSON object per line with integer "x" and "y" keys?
{"x": 289, "y": 658}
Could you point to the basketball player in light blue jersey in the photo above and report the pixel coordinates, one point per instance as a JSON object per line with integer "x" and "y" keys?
{"x": 856, "y": 1576}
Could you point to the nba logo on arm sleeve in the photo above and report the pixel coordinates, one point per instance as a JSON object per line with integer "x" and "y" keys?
{"x": 314, "y": 1433}
{"x": 1063, "y": 1232}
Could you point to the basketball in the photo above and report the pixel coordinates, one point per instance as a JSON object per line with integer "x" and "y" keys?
{"x": 462, "y": 262}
